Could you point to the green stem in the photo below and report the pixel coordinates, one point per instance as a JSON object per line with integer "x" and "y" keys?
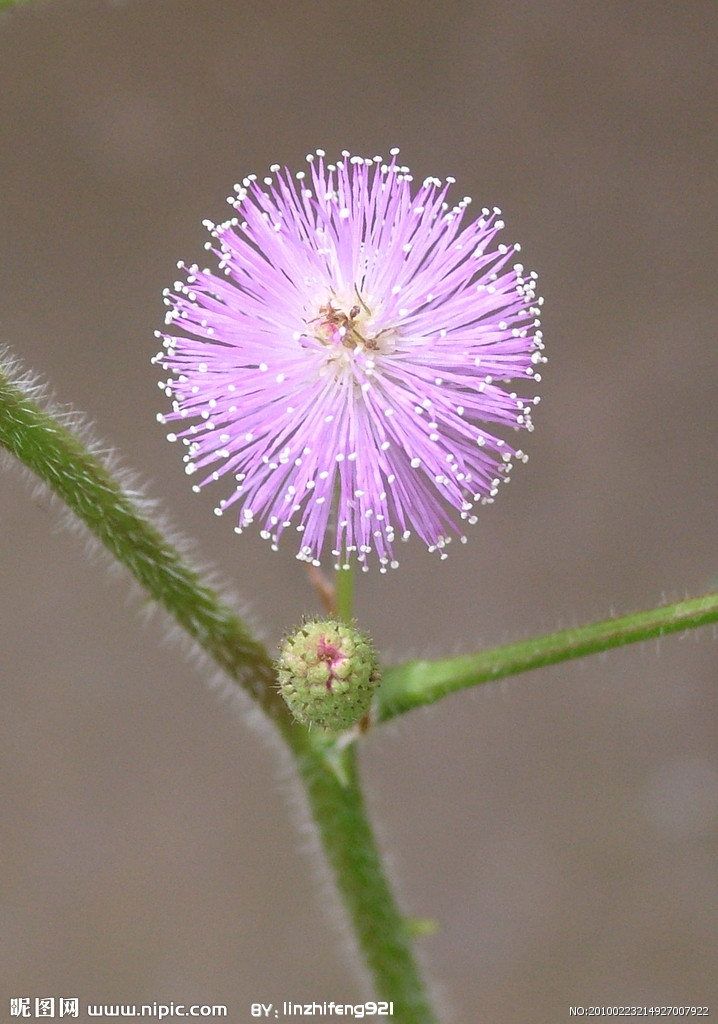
{"x": 417, "y": 683}
{"x": 344, "y": 577}
{"x": 344, "y": 593}
{"x": 330, "y": 776}
{"x": 58, "y": 456}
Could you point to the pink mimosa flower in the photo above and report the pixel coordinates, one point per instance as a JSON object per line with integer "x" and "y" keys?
{"x": 347, "y": 370}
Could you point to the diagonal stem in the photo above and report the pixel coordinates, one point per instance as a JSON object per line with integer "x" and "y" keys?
{"x": 417, "y": 683}
{"x": 115, "y": 515}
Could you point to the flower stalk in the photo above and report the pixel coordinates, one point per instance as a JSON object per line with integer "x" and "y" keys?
{"x": 344, "y": 593}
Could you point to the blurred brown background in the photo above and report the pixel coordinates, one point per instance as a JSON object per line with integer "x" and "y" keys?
{"x": 561, "y": 828}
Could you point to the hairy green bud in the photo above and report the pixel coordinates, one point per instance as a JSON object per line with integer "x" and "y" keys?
{"x": 328, "y": 672}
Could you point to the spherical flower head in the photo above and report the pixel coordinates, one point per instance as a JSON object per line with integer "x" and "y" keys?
{"x": 327, "y": 673}
{"x": 347, "y": 371}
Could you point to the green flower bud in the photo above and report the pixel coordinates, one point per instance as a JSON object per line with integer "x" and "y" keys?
{"x": 328, "y": 672}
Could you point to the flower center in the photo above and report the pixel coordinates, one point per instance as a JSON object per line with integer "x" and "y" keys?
{"x": 335, "y": 326}
{"x": 347, "y": 330}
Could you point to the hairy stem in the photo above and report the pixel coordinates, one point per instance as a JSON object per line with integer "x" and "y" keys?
{"x": 57, "y": 455}
{"x": 330, "y": 775}
{"x": 416, "y": 683}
